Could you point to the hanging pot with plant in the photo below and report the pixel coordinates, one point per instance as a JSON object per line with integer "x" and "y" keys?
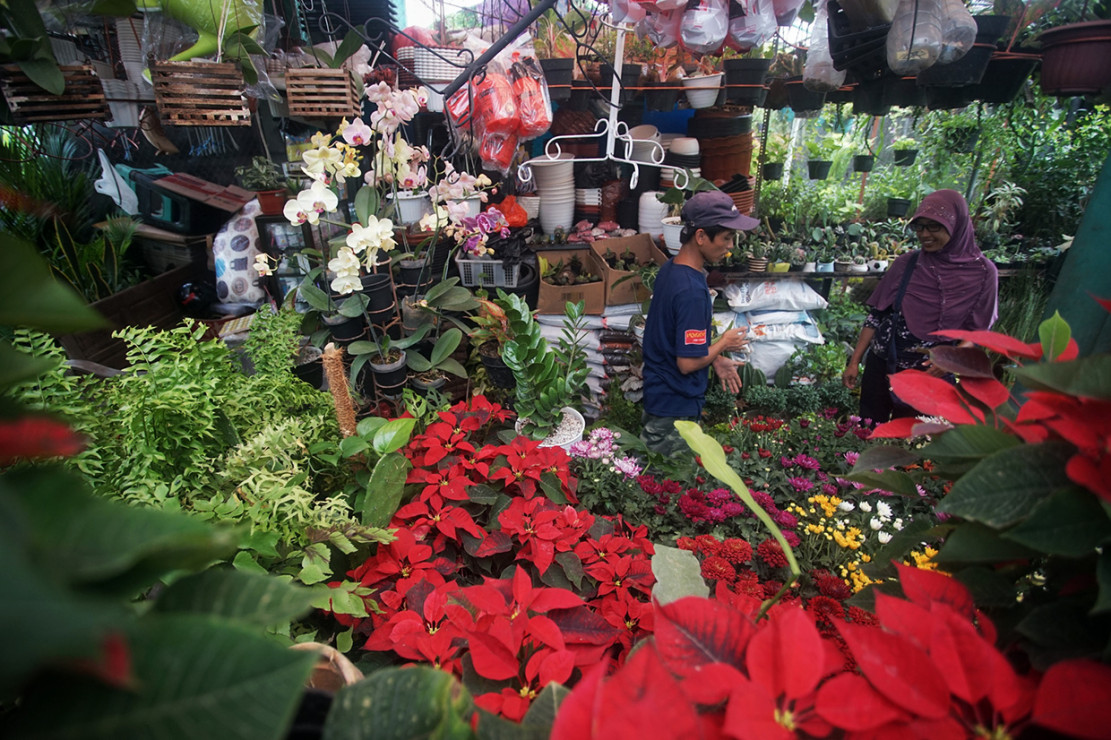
{"x": 904, "y": 157}
{"x": 818, "y": 169}
{"x": 1075, "y": 58}
{"x": 863, "y": 162}
{"x": 772, "y": 170}
{"x": 897, "y": 207}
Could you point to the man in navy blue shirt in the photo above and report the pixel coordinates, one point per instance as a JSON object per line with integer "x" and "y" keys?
{"x": 677, "y": 337}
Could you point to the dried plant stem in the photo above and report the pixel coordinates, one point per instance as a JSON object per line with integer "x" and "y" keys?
{"x": 337, "y": 384}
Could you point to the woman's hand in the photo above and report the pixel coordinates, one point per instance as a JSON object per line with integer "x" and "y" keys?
{"x": 851, "y": 375}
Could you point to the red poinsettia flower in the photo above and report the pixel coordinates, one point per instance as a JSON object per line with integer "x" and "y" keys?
{"x": 622, "y": 575}
{"x": 606, "y": 547}
{"x": 403, "y": 558}
{"x": 446, "y": 483}
{"x": 37, "y": 437}
{"x": 434, "y": 514}
{"x": 542, "y": 529}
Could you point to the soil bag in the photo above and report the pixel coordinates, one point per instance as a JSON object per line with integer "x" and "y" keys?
{"x": 819, "y": 73}
{"x": 914, "y": 41}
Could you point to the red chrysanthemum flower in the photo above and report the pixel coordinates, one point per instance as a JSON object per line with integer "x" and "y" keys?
{"x": 860, "y": 616}
{"x": 736, "y": 551}
{"x": 764, "y": 453}
{"x": 771, "y": 588}
{"x": 687, "y": 543}
{"x": 708, "y": 545}
{"x": 771, "y": 554}
{"x": 825, "y": 608}
{"x": 833, "y": 587}
{"x": 718, "y": 569}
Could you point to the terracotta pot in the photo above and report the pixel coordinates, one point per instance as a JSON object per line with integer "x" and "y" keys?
{"x": 272, "y": 202}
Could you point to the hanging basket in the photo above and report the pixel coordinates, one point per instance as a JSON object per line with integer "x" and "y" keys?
{"x": 82, "y": 98}
{"x": 200, "y": 93}
{"x": 322, "y": 93}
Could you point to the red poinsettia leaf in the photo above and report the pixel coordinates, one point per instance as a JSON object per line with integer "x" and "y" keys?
{"x": 1095, "y": 475}
{"x": 556, "y": 667}
{"x": 945, "y": 728}
{"x": 491, "y": 658}
{"x": 1074, "y": 698}
{"x": 994, "y": 341}
{"x": 785, "y": 655}
{"x": 932, "y": 396}
{"x": 540, "y": 552}
{"x": 546, "y": 599}
{"x": 751, "y": 713}
{"x": 712, "y": 683}
{"x": 1105, "y": 302}
{"x": 693, "y": 631}
{"x": 34, "y": 437}
{"x": 575, "y": 718}
{"x": 924, "y": 587}
{"x": 1070, "y": 352}
{"x": 895, "y": 429}
{"x": 897, "y": 669}
{"x": 113, "y": 665}
{"x": 493, "y": 543}
{"x": 966, "y": 661}
{"x": 967, "y": 362}
{"x": 545, "y": 631}
{"x": 583, "y": 626}
{"x": 987, "y": 391}
{"x": 904, "y": 618}
{"x": 848, "y": 702}
{"x": 486, "y": 598}
{"x": 642, "y": 701}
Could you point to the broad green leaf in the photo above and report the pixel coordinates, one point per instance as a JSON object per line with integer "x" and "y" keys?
{"x": 1103, "y": 575}
{"x": 1054, "y": 334}
{"x": 362, "y": 347}
{"x": 314, "y": 565}
{"x": 345, "y": 640}
{"x": 417, "y": 362}
{"x": 1069, "y": 523}
{"x": 385, "y": 489}
{"x": 988, "y": 587}
{"x": 968, "y": 442}
{"x": 882, "y": 457}
{"x": 480, "y": 493}
{"x": 314, "y": 296}
{"x": 974, "y": 543}
{"x": 678, "y": 574}
{"x": 1062, "y": 625}
{"x": 1004, "y": 487}
{"x": 33, "y": 298}
{"x": 889, "y": 480}
{"x": 445, "y": 345}
{"x": 350, "y": 44}
{"x": 401, "y": 704}
{"x": 393, "y": 435}
{"x": 259, "y": 600}
{"x": 45, "y": 73}
{"x": 198, "y": 677}
{"x": 903, "y": 541}
{"x": 244, "y": 562}
{"x": 552, "y": 488}
{"x": 369, "y": 425}
{"x": 351, "y": 446}
{"x": 967, "y": 362}
{"x": 104, "y": 544}
{"x": 1089, "y": 377}
{"x": 262, "y": 542}
{"x": 353, "y": 306}
{"x": 572, "y": 568}
{"x": 366, "y": 203}
{"x": 451, "y": 365}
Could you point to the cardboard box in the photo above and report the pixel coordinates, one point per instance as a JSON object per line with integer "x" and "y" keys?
{"x": 631, "y": 290}
{"x": 553, "y": 298}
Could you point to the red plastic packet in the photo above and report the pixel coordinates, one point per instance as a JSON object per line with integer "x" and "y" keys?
{"x": 515, "y": 214}
{"x": 495, "y": 105}
{"x": 497, "y": 150}
{"x": 533, "y": 105}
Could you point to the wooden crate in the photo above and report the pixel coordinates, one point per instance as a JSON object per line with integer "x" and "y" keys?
{"x": 200, "y": 93}
{"x": 316, "y": 93}
{"x": 82, "y": 98}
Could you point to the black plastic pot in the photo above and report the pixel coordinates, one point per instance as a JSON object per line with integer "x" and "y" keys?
{"x": 389, "y": 379}
{"x": 772, "y": 170}
{"x": 311, "y": 372}
{"x": 897, "y": 207}
{"x": 413, "y": 273}
{"x": 344, "y": 330}
{"x": 902, "y": 91}
{"x": 744, "y": 80}
{"x": 868, "y": 99}
{"x": 497, "y": 371}
{"x": 422, "y": 388}
{"x": 904, "y": 157}
{"x": 944, "y": 98}
{"x": 818, "y": 169}
{"x": 558, "y": 74}
{"x": 528, "y": 283}
{"x": 661, "y": 96}
{"x": 1003, "y": 80}
{"x": 969, "y": 69}
{"x": 863, "y": 162}
{"x": 801, "y": 99}
{"x": 630, "y": 78}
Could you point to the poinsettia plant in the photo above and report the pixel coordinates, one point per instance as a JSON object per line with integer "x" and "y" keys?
{"x": 1029, "y": 479}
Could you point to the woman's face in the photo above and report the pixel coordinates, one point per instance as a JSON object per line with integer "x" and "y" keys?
{"x": 932, "y": 236}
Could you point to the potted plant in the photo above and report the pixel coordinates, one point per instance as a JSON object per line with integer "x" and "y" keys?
{"x": 703, "y": 89}
{"x": 488, "y": 336}
{"x": 773, "y": 157}
{"x": 781, "y": 258}
{"x": 745, "y": 77}
{"x": 387, "y": 359}
{"x": 431, "y": 372}
{"x": 266, "y": 179}
{"x": 549, "y": 380}
{"x": 843, "y": 260}
{"x": 904, "y": 152}
{"x": 758, "y": 255}
{"x": 820, "y": 152}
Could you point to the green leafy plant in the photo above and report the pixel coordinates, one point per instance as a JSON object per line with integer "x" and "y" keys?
{"x": 261, "y": 174}
{"x": 439, "y": 360}
{"x": 548, "y": 379}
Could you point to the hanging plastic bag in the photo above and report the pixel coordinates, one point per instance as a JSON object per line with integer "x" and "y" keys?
{"x": 497, "y": 150}
{"x": 625, "y": 11}
{"x": 534, "y": 107}
{"x": 495, "y": 104}
{"x": 914, "y": 41}
{"x": 958, "y": 32}
{"x": 662, "y": 29}
{"x": 754, "y": 28}
{"x": 819, "y": 74}
{"x": 703, "y": 28}
{"x": 666, "y": 6}
{"x": 786, "y": 11}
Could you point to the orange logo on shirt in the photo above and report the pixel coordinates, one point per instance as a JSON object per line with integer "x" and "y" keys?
{"x": 694, "y": 336}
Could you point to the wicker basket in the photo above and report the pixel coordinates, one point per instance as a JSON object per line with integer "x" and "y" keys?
{"x": 316, "y": 93}
{"x": 200, "y": 93}
{"x": 82, "y": 98}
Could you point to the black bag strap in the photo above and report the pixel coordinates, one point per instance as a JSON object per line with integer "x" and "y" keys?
{"x": 896, "y": 312}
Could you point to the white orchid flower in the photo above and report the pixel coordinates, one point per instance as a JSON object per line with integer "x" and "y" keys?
{"x": 344, "y": 284}
{"x": 345, "y": 262}
{"x": 321, "y": 160}
{"x": 262, "y": 264}
{"x": 316, "y": 199}
{"x": 296, "y": 212}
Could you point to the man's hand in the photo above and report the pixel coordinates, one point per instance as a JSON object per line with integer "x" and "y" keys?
{"x": 851, "y": 375}
{"x": 734, "y": 340}
{"x": 726, "y": 370}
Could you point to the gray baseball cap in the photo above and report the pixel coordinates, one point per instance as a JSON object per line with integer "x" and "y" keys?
{"x": 715, "y": 208}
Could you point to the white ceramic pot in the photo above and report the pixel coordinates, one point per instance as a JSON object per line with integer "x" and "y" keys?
{"x": 673, "y": 228}
{"x": 854, "y": 267}
{"x": 702, "y": 92}
{"x": 810, "y": 267}
{"x": 474, "y": 206}
{"x": 877, "y": 265}
{"x": 569, "y": 436}
{"x": 531, "y": 204}
{"x": 410, "y": 208}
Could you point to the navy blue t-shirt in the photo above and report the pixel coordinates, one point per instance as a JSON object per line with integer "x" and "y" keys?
{"x": 678, "y": 325}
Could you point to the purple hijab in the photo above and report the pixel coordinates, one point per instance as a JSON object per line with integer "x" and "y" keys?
{"x": 956, "y": 288}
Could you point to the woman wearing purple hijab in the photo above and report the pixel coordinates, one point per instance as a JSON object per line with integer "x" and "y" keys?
{"x": 947, "y": 284}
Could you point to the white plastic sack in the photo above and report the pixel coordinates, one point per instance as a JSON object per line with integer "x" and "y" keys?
{"x": 914, "y": 41}
{"x": 768, "y": 357}
{"x": 662, "y": 29}
{"x": 754, "y": 28}
{"x": 703, "y": 28}
{"x": 627, "y": 11}
{"x": 778, "y": 295}
{"x": 958, "y": 32}
{"x": 819, "y": 73}
{"x": 777, "y": 317}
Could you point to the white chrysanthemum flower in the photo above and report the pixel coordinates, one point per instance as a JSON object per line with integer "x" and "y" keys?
{"x": 875, "y": 524}
{"x": 846, "y": 506}
{"x": 866, "y": 507}
{"x": 884, "y": 537}
{"x": 883, "y": 509}
{"x": 898, "y": 524}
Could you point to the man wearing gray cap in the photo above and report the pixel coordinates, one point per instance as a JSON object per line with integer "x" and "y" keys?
{"x": 677, "y": 337}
